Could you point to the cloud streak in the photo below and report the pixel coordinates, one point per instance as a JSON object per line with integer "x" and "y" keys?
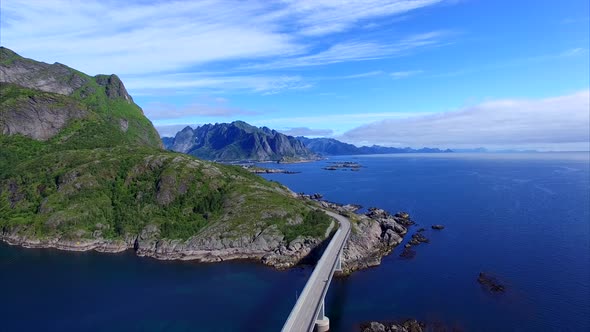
{"x": 139, "y": 37}
{"x": 403, "y": 74}
{"x": 305, "y": 131}
{"x": 171, "y": 130}
{"x": 213, "y": 108}
{"x": 350, "y": 51}
{"x": 560, "y": 123}
{"x": 177, "y": 83}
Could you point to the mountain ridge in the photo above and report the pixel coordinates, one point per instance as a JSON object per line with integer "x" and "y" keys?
{"x": 236, "y": 141}
{"x": 334, "y": 147}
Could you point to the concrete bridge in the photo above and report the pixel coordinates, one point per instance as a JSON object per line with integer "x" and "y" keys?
{"x": 309, "y": 311}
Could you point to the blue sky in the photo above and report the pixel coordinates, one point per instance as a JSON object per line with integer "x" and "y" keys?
{"x": 449, "y": 74}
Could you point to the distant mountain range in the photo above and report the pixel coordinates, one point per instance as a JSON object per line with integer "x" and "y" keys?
{"x": 484, "y": 150}
{"x": 241, "y": 141}
{"x": 333, "y": 147}
{"x": 238, "y": 141}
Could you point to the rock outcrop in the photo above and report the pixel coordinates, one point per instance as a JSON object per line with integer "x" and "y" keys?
{"x": 39, "y": 116}
{"x": 39, "y": 100}
{"x": 410, "y": 325}
{"x": 114, "y": 87}
{"x": 55, "y": 78}
{"x": 373, "y": 235}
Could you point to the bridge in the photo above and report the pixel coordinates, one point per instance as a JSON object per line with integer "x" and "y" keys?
{"x": 309, "y": 311}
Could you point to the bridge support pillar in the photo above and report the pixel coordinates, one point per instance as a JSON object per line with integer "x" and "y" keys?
{"x": 322, "y": 323}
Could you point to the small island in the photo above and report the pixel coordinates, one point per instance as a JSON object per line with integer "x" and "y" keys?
{"x": 263, "y": 170}
{"x": 347, "y": 165}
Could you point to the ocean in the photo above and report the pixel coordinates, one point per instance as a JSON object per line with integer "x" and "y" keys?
{"x": 524, "y": 218}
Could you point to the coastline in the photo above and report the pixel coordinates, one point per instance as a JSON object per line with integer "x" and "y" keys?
{"x": 375, "y": 234}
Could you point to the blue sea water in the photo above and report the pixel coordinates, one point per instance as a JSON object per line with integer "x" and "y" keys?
{"x": 525, "y": 218}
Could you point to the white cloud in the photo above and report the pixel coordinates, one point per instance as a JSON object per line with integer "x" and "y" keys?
{"x": 403, "y": 74}
{"x": 207, "y": 108}
{"x": 363, "y": 75}
{"x": 320, "y": 17}
{"x": 265, "y": 84}
{"x": 305, "y": 131}
{"x": 349, "y": 51}
{"x": 139, "y": 37}
{"x": 560, "y": 123}
{"x": 171, "y": 130}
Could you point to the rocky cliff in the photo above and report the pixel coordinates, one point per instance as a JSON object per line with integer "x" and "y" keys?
{"x": 238, "y": 141}
{"x": 38, "y": 100}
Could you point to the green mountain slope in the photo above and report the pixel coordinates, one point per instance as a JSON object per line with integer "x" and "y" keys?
{"x": 82, "y": 168}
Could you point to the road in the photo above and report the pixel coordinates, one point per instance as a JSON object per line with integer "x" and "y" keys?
{"x": 304, "y": 313}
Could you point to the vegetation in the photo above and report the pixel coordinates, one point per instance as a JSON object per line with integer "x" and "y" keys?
{"x": 106, "y": 176}
{"x": 314, "y": 224}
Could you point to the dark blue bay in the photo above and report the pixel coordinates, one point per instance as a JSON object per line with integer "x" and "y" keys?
{"x": 523, "y": 218}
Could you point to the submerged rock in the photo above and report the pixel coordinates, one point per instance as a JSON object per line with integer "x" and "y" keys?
{"x": 490, "y": 283}
{"x": 418, "y": 238}
{"x": 408, "y": 253}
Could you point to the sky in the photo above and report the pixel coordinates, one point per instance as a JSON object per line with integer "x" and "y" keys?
{"x": 438, "y": 73}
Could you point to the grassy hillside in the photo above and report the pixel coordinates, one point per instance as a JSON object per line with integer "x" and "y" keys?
{"x": 104, "y": 175}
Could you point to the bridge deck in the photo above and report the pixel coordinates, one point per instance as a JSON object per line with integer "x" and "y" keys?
{"x": 305, "y": 311}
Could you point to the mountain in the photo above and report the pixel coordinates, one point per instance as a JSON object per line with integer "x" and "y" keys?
{"x": 330, "y": 146}
{"x": 238, "y": 141}
{"x": 82, "y": 168}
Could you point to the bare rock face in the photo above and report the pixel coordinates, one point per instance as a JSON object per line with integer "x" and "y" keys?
{"x": 39, "y": 117}
{"x": 114, "y": 87}
{"x": 365, "y": 246}
{"x": 56, "y": 78}
{"x": 373, "y": 235}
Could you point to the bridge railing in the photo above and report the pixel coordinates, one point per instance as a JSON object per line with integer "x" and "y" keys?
{"x": 332, "y": 268}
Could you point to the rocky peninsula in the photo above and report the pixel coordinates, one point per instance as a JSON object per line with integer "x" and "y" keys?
{"x": 374, "y": 235}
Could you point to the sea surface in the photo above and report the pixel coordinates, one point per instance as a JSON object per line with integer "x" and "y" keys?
{"x": 525, "y": 218}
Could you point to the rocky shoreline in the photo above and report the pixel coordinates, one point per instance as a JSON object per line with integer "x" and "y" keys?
{"x": 374, "y": 235}
{"x": 410, "y": 325}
